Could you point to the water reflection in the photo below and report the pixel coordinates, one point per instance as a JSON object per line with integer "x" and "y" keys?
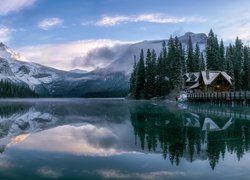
{"x": 189, "y": 135}
{"x": 124, "y": 133}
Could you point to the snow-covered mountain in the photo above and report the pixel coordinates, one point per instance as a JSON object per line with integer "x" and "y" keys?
{"x": 52, "y": 82}
{"x": 125, "y": 61}
{"x": 111, "y": 80}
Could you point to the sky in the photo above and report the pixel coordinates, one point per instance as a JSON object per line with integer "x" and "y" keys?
{"x": 55, "y": 32}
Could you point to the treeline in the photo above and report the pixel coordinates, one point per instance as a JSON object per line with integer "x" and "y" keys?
{"x": 156, "y": 76}
{"x": 8, "y": 89}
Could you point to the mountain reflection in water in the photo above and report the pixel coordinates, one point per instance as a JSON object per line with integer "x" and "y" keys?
{"x": 117, "y": 128}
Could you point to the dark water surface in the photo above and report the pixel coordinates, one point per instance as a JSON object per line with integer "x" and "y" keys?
{"x": 119, "y": 139}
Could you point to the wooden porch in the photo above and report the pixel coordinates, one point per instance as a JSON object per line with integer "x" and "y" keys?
{"x": 239, "y": 97}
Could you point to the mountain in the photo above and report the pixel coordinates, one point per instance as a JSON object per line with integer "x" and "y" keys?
{"x": 79, "y": 71}
{"x": 126, "y": 60}
{"x": 110, "y": 81}
{"x": 49, "y": 82}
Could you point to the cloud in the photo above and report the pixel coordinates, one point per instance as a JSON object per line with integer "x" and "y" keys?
{"x": 9, "y": 6}
{"x": 87, "y": 140}
{"x": 49, "y": 173}
{"x": 99, "y": 57}
{"x": 49, "y": 23}
{"x": 5, "y": 33}
{"x": 116, "y": 174}
{"x": 73, "y": 55}
{"x": 151, "y": 18}
{"x": 235, "y": 27}
{"x": 4, "y": 164}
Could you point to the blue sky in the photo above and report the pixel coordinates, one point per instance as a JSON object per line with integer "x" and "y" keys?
{"x": 36, "y": 25}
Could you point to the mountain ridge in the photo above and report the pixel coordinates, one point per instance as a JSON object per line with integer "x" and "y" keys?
{"x": 110, "y": 81}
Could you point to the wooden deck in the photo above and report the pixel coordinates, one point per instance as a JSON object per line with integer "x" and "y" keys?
{"x": 240, "y": 97}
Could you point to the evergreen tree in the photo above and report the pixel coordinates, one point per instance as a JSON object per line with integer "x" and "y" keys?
{"x": 150, "y": 74}
{"x": 238, "y": 63}
{"x": 222, "y": 57}
{"x": 196, "y": 58}
{"x": 183, "y": 59}
{"x": 212, "y": 52}
{"x": 229, "y": 61}
{"x": 176, "y": 77}
{"x": 171, "y": 59}
{"x": 162, "y": 81}
{"x": 133, "y": 79}
{"x": 140, "y": 77}
{"x": 202, "y": 66}
{"x": 246, "y": 72}
{"x": 170, "y": 56}
{"x": 165, "y": 63}
{"x": 190, "y": 56}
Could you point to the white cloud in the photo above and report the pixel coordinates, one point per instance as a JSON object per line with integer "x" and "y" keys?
{"x": 9, "y": 6}
{"x": 48, "y": 172}
{"x": 87, "y": 140}
{"x": 49, "y": 23}
{"x": 116, "y": 174}
{"x": 70, "y": 55}
{"x": 4, "y": 164}
{"x": 152, "y": 18}
{"x": 5, "y": 33}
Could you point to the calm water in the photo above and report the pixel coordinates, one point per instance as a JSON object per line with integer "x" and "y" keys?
{"x": 118, "y": 139}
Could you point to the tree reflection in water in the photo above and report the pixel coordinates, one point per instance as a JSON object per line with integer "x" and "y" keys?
{"x": 181, "y": 134}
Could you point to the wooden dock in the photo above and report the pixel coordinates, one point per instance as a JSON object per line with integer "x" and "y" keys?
{"x": 239, "y": 97}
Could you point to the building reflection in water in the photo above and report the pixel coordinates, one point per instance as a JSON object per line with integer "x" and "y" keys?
{"x": 184, "y": 134}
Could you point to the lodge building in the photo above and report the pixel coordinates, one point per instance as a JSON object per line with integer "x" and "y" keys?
{"x": 207, "y": 81}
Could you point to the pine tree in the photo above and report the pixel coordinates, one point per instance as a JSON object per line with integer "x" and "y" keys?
{"x": 222, "y": 57}
{"x": 150, "y": 74}
{"x": 196, "y": 58}
{"x": 159, "y": 75}
{"x": 238, "y": 63}
{"x": 176, "y": 78}
{"x": 202, "y": 66}
{"x": 133, "y": 79}
{"x": 140, "y": 77}
{"x": 212, "y": 52}
{"x": 165, "y": 63}
{"x": 229, "y": 62}
{"x": 190, "y": 56}
{"x": 246, "y": 71}
{"x": 183, "y": 59}
{"x": 171, "y": 59}
{"x": 162, "y": 81}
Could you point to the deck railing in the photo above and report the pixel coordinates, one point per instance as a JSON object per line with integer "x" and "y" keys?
{"x": 243, "y": 96}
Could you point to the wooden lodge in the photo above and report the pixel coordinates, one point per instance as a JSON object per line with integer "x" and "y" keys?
{"x": 211, "y": 81}
{"x": 214, "y": 87}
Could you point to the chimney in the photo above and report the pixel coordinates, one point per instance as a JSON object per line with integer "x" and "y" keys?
{"x": 207, "y": 74}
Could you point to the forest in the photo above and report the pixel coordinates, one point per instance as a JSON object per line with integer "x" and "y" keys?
{"x": 8, "y": 89}
{"x": 156, "y": 76}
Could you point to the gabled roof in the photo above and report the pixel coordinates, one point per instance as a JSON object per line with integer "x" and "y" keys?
{"x": 194, "y": 86}
{"x": 209, "y": 123}
{"x": 190, "y": 75}
{"x": 213, "y": 75}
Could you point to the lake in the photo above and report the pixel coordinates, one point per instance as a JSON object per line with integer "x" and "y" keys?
{"x": 120, "y": 139}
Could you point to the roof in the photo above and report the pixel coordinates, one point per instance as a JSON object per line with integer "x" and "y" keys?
{"x": 213, "y": 75}
{"x": 194, "y": 86}
{"x": 189, "y": 76}
{"x": 209, "y": 124}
